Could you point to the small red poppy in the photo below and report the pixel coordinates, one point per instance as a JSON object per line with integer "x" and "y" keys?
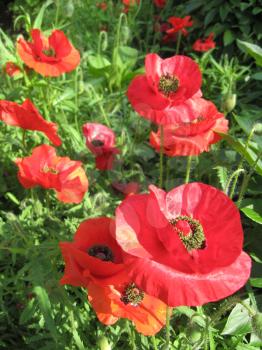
{"x": 203, "y": 45}
{"x": 179, "y": 24}
{"x": 195, "y": 137}
{"x": 163, "y": 95}
{"x": 50, "y": 56}
{"x": 102, "y": 6}
{"x": 160, "y": 3}
{"x": 12, "y": 69}
{"x": 186, "y": 245}
{"x": 26, "y": 116}
{"x": 127, "y": 301}
{"x": 100, "y": 140}
{"x": 44, "y": 168}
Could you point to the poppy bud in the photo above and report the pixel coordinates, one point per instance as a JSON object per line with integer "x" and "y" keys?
{"x": 103, "y": 343}
{"x": 229, "y": 102}
{"x": 258, "y": 128}
{"x": 257, "y": 324}
{"x": 125, "y": 34}
{"x": 69, "y": 8}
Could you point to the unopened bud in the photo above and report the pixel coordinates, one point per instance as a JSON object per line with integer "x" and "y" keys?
{"x": 258, "y": 128}
{"x": 229, "y": 102}
{"x": 257, "y": 324}
{"x": 103, "y": 343}
{"x": 125, "y": 34}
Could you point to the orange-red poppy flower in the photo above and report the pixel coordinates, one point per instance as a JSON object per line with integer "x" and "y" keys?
{"x": 26, "y": 116}
{"x": 203, "y": 45}
{"x": 179, "y": 24}
{"x": 195, "y": 137}
{"x": 102, "y": 5}
{"x": 12, "y": 69}
{"x": 44, "y": 168}
{"x": 127, "y": 188}
{"x": 95, "y": 260}
{"x": 160, "y": 3}
{"x": 127, "y": 301}
{"x": 50, "y": 56}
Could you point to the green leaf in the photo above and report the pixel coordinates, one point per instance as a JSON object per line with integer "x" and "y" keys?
{"x": 98, "y": 62}
{"x": 28, "y": 312}
{"x": 228, "y": 37}
{"x": 248, "y": 154}
{"x": 39, "y": 18}
{"x": 253, "y": 50}
{"x": 45, "y": 307}
{"x": 222, "y": 175}
{"x": 251, "y": 214}
{"x": 256, "y": 282}
{"x": 238, "y": 322}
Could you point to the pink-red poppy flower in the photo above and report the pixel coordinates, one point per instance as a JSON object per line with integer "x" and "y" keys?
{"x": 12, "y": 69}
{"x": 127, "y": 188}
{"x": 95, "y": 260}
{"x": 186, "y": 245}
{"x": 100, "y": 140}
{"x": 165, "y": 93}
{"x": 203, "y": 45}
{"x": 50, "y": 56}
{"x": 160, "y": 3}
{"x": 195, "y": 137}
{"x": 127, "y": 301}
{"x": 26, "y": 116}
{"x": 44, "y": 168}
{"x": 179, "y": 24}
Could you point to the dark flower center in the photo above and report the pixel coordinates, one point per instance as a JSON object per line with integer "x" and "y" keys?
{"x": 49, "y": 52}
{"x": 132, "y": 295}
{"x": 190, "y": 231}
{"x": 97, "y": 143}
{"x": 168, "y": 84}
{"x": 101, "y": 252}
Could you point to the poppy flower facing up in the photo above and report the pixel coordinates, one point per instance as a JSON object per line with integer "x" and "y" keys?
{"x": 100, "y": 140}
{"x": 12, "y": 69}
{"x": 50, "y": 56}
{"x": 44, "y": 168}
{"x": 203, "y": 45}
{"x": 26, "y": 116}
{"x": 195, "y": 137}
{"x": 186, "y": 245}
{"x": 94, "y": 260}
{"x": 166, "y": 93}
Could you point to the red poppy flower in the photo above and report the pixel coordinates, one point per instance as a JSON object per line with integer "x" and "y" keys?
{"x": 94, "y": 255}
{"x": 46, "y": 169}
{"x": 179, "y": 24}
{"x": 127, "y": 301}
{"x": 195, "y": 137}
{"x": 204, "y": 44}
{"x": 26, "y": 116}
{"x": 160, "y": 3}
{"x": 165, "y": 93}
{"x": 12, "y": 69}
{"x": 100, "y": 140}
{"x": 50, "y": 56}
{"x": 186, "y": 244}
{"x": 102, "y": 6}
{"x": 95, "y": 260}
{"x": 128, "y": 188}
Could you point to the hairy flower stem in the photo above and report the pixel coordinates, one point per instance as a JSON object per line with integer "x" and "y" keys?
{"x": 76, "y": 100}
{"x": 241, "y": 163}
{"x": 178, "y": 42}
{"x": 168, "y": 316}
{"x": 188, "y": 168}
{"x": 161, "y": 156}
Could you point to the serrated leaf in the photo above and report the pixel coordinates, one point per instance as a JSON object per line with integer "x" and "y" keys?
{"x": 222, "y": 175}
{"x": 45, "y": 307}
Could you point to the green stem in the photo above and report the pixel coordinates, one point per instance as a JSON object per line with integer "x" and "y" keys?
{"x": 168, "y": 316}
{"x": 231, "y": 177}
{"x": 178, "y": 42}
{"x": 161, "y": 156}
{"x": 188, "y": 168}
{"x": 153, "y": 338}
{"x": 76, "y": 100}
